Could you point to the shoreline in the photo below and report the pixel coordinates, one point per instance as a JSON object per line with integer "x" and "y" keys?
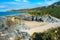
{"x": 16, "y": 14}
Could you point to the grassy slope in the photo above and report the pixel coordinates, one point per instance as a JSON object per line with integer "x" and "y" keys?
{"x": 52, "y": 34}
{"x": 50, "y": 10}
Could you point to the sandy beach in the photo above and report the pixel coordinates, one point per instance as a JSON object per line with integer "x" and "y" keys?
{"x": 34, "y": 24}
{"x": 39, "y": 26}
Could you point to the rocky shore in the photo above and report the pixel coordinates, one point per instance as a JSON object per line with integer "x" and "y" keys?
{"x": 19, "y": 26}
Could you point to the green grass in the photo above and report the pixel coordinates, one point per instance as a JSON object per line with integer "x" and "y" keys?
{"x": 51, "y": 34}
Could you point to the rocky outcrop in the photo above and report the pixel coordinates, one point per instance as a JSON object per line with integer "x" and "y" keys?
{"x": 47, "y": 18}
{"x": 15, "y": 31}
{"x": 19, "y": 30}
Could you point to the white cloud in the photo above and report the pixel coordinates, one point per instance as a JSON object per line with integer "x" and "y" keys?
{"x": 10, "y": 3}
{"x": 25, "y": 0}
{"x": 2, "y": 6}
{"x": 17, "y": 0}
{"x": 46, "y": 2}
{"x": 39, "y": 3}
{"x": 49, "y": 2}
{"x": 21, "y": 0}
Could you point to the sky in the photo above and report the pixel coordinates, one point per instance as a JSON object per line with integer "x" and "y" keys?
{"x": 23, "y": 4}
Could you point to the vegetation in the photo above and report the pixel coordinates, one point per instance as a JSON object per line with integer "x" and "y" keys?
{"x": 18, "y": 38}
{"x": 52, "y": 34}
{"x": 13, "y": 20}
{"x": 53, "y": 10}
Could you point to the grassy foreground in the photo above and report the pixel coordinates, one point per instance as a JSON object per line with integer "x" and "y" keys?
{"x": 51, "y": 34}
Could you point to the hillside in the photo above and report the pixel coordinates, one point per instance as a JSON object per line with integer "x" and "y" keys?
{"x": 53, "y": 10}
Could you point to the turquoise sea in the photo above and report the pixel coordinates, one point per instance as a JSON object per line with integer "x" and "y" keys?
{"x": 9, "y": 13}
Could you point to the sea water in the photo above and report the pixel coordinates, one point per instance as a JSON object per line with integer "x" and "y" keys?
{"x": 9, "y": 13}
